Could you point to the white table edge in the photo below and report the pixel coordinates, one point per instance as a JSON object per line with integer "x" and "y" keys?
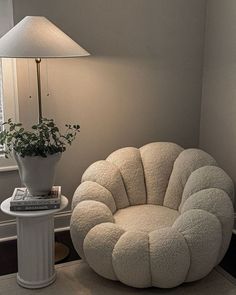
{"x": 5, "y": 207}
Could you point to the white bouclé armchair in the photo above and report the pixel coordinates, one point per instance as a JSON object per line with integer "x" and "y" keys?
{"x": 155, "y": 216}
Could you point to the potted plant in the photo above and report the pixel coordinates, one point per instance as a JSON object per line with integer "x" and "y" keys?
{"x": 36, "y": 151}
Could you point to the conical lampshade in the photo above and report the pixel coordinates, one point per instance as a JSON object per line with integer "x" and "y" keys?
{"x": 37, "y": 37}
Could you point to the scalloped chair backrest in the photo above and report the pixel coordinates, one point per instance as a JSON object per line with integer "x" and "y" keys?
{"x": 154, "y": 174}
{"x": 158, "y": 160}
{"x": 188, "y": 161}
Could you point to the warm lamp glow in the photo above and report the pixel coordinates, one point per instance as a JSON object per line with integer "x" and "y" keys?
{"x": 37, "y": 37}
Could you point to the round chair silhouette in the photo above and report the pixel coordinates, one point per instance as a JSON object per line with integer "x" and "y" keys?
{"x": 155, "y": 216}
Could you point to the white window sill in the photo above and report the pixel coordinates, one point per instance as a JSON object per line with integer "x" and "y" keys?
{"x": 8, "y": 168}
{"x": 7, "y": 164}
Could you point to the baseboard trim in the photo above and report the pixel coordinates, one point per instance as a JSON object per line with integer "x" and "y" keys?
{"x": 8, "y": 227}
{"x": 225, "y": 274}
{"x": 234, "y": 229}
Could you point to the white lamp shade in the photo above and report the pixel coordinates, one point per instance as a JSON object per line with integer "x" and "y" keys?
{"x": 37, "y": 37}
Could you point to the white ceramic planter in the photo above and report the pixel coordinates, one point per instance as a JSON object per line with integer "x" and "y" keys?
{"x": 37, "y": 173}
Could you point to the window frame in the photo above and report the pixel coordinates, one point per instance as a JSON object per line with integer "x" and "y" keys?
{"x": 9, "y": 83}
{"x": 10, "y": 104}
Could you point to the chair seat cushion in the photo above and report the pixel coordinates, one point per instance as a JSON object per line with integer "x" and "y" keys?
{"x": 145, "y": 218}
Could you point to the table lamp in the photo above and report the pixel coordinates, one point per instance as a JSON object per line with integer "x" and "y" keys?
{"x": 36, "y": 37}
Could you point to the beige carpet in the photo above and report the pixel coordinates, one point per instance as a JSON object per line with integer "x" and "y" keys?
{"x": 76, "y": 278}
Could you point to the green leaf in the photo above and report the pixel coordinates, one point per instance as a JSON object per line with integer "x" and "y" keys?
{"x": 43, "y": 138}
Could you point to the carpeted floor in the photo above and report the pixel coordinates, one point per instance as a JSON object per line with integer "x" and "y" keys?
{"x": 76, "y": 278}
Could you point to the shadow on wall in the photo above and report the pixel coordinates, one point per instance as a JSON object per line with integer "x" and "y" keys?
{"x": 119, "y": 102}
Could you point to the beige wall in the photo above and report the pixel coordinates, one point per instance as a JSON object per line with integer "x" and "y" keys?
{"x": 141, "y": 84}
{"x": 218, "y": 118}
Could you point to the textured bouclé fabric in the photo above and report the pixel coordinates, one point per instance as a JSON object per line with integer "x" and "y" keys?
{"x": 89, "y": 190}
{"x": 108, "y": 175}
{"x": 187, "y": 161}
{"x": 99, "y": 249}
{"x": 145, "y": 218}
{"x": 129, "y": 162}
{"x": 155, "y": 216}
{"x": 158, "y": 160}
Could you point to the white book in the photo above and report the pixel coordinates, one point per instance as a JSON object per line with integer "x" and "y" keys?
{"x": 22, "y": 197}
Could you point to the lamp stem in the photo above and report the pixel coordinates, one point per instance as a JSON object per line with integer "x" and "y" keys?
{"x": 38, "y": 61}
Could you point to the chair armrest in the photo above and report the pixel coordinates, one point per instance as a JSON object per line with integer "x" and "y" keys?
{"x": 203, "y": 235}
{"x": 89, "y": 190}
{"x": 108, "y": 175}
{"x": 85, "y": 216}
{"x": 218, "y": 203}
{"x": 207, "y": 177}
{"x": 99, "y": 244}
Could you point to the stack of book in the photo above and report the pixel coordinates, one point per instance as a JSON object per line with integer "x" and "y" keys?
{"x": 21, "y": 200}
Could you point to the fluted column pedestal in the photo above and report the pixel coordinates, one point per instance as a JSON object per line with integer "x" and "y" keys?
{"x": 35, "y": 245}
{"x": 35, "y": 248}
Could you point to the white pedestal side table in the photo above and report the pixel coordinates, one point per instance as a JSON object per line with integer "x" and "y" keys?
{"x": 35, "y": 245}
